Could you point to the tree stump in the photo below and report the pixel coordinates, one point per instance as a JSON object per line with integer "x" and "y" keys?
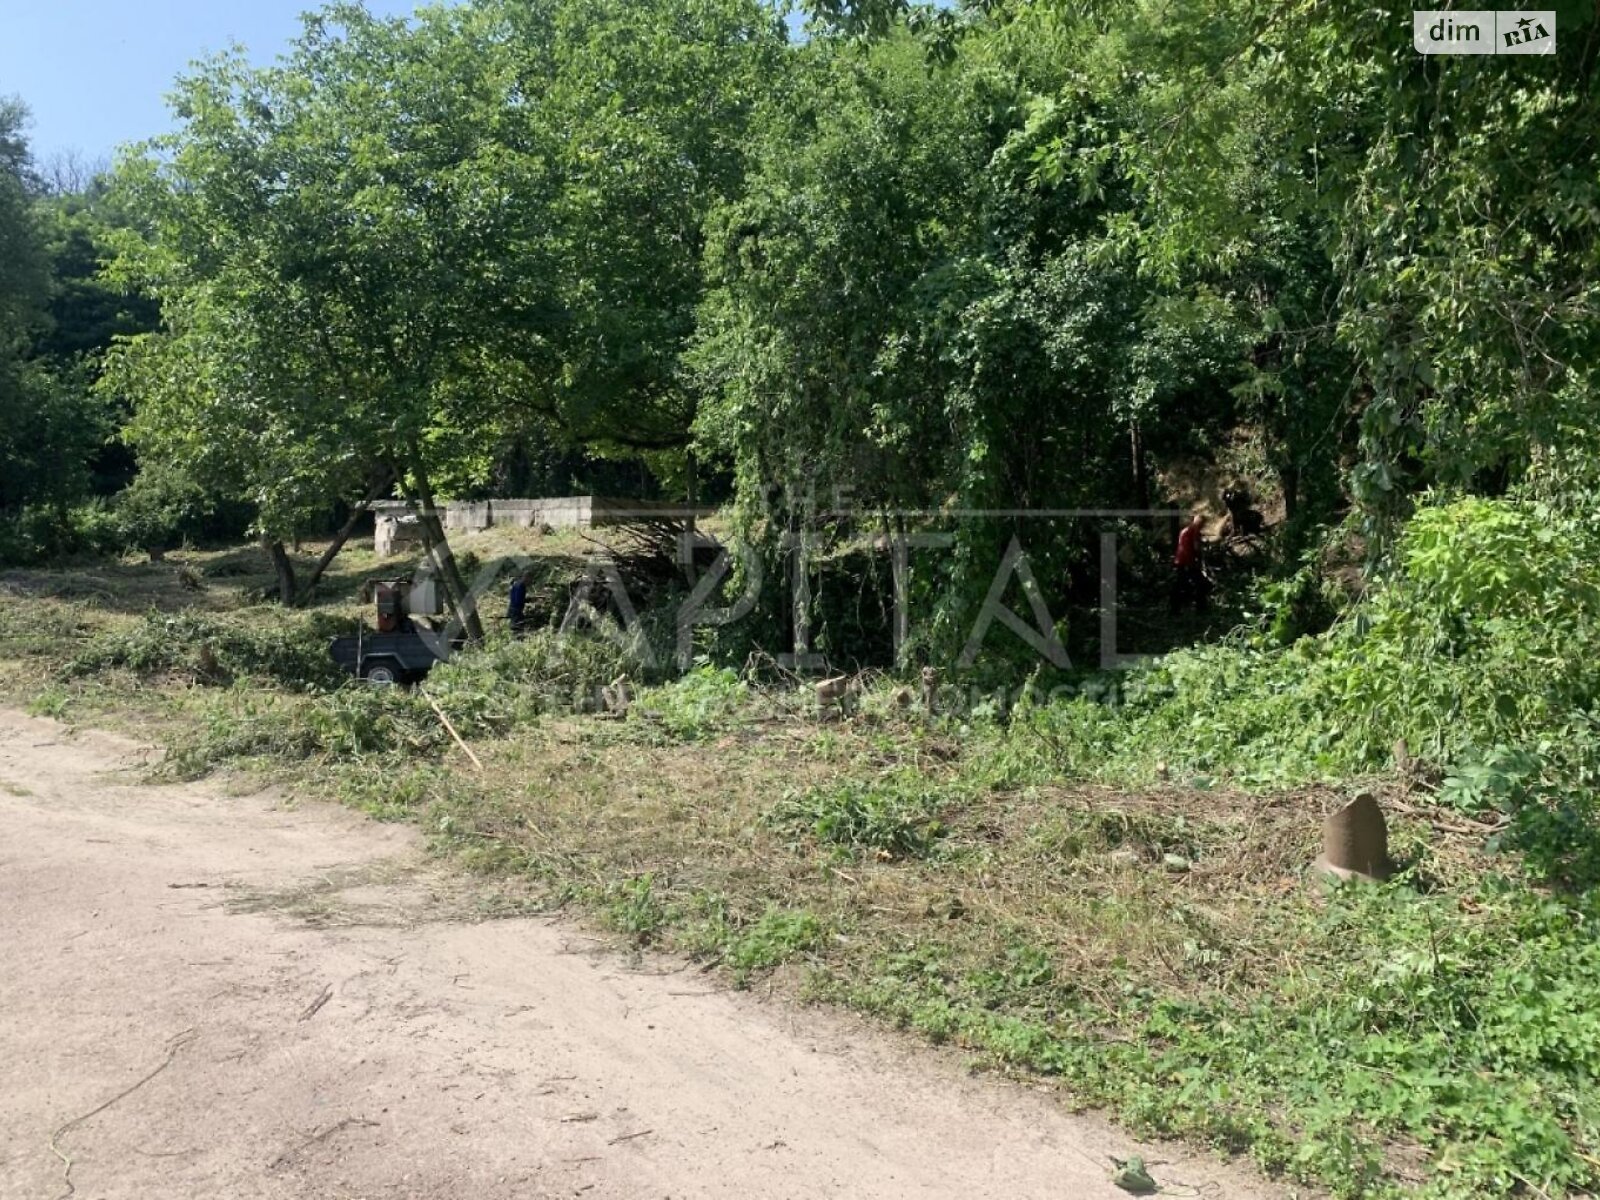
{"x": 831, "y": 694}
{"x": 1355, "y": 842}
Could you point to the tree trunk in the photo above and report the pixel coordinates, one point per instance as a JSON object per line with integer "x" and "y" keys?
{"x": 463, "y": 607}
{"x": 1289, "y": 478}
{"x": 343, "y": 536}
{"x": 1141, "y": 466}
{"x": 692, "y": 473}
{"x": 284, "y": 569}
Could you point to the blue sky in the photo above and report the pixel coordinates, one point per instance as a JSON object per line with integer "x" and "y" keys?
{"x": 94, "y": 71}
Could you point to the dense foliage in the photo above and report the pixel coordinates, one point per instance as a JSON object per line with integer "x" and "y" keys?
{"x": 918, "y": 274}
{"x": 843, "y": 271}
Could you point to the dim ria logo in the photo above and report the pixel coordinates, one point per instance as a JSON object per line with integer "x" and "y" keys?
{"x": 1485, "y": 32}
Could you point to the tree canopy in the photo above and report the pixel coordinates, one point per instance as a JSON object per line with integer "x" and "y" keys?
{"x": 1016, "y": 254}
{"x": 51, "y": 427}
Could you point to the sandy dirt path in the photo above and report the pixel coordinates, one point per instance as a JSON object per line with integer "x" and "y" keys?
{"x": 303, "y": 1007}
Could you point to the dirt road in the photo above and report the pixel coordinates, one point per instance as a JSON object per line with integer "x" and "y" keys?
{"x": 204, "y": 995}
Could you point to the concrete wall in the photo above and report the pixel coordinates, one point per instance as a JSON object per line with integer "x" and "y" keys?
{"x": 396, "y": 527}
{"x": 467, "y": 514}
{"x": 394, "y": 533}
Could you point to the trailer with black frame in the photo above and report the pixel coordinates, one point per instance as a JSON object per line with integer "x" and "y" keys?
{"x": 397, "y": 652}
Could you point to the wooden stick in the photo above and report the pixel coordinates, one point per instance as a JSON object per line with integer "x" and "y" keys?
{"x": 628, "y": 1137}
{"x": 452, "y": 731}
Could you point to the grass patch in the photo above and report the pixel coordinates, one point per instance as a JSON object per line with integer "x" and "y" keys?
{"x": 893, "y": 817}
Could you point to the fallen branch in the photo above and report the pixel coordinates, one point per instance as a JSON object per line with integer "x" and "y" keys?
{"x": 628, "y": 1137}
{"x": 451, "y": 729}
{"x": 316, "y": 1005}
{"x": 337, "y": 1127}
{"x": 1466, "y": 826}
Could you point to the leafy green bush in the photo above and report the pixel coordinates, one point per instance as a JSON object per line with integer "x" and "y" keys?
{"x": 1486, "y": 633}
{"x": 697, "y": 705}
{"x": 159, "y": 509}
{"x": 1552, "y": 806}
{"x": 1304, "y": 604}
{"x": 37, "y": 534}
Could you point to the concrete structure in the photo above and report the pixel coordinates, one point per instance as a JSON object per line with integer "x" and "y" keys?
{"x": 396, "y": 528}
{"x": 470, "y": 515}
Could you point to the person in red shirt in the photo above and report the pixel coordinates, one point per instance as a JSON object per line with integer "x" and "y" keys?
{"x": 1189, "y": 583}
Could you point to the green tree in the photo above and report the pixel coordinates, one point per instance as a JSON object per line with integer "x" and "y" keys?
{"x": 928, "y": 263}
{"x": 50, "y": 425}
{"x": 412, "y": 241}
{"x": 329, "y": 238}
{"x": 643, "y": 107}
{"x": 1420, "y": 228}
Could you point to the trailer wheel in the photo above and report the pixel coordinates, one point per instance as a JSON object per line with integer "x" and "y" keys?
{"x": 380, "y": 673}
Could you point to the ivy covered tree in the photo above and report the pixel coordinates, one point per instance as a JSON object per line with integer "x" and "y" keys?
{"x": 922, "y": 303}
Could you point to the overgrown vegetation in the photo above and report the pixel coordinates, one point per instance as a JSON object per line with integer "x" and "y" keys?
{"x": 216, "y": 650}
{"x": 1160, "y": 948}
{"x": 894, "y": 291}
{"x": 1473, "y": 663}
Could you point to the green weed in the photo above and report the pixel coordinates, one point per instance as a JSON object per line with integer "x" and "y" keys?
{"x": 777, "y": 936}
{"x": 697, "y": 705}
{"x": 53, "y": 702}
{"x": 894, "y": 817}
{"x": 632, "y": 907}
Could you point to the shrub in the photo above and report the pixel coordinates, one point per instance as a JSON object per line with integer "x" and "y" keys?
{"x": 289, "y": 651}
{"x": 39, "y": 534}
{"x": 1486, "y": 633}
{"x": 159, "y": 509}
{"x": 697, "y": 705}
